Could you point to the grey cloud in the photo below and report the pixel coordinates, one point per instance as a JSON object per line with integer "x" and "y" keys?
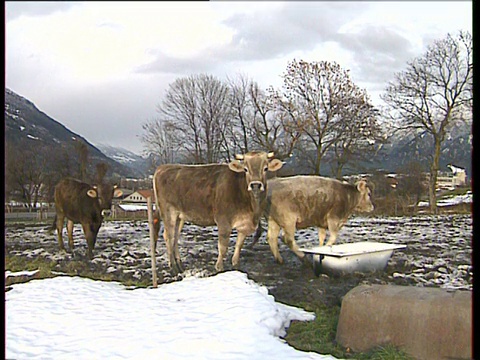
{"x": 296, "y": 26}
{"x": 378, "y": 52}
{"x": 14, "y": 9}
{"x": 270, "y": 34}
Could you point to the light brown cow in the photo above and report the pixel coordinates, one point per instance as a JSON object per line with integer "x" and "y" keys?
{"x": 227, "y": 195}
{"x": 299, "y": 202}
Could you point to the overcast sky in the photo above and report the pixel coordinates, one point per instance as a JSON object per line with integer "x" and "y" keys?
{"x": 101, "y": 68}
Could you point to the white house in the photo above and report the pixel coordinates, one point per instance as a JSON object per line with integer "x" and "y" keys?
{"x": 136, "y": 200}
{"x": 139, "y": 196}
{"x": 458, "y": 177}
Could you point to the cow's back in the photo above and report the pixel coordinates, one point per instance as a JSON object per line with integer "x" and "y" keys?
{"x": 198, "y": 192}
{"x": 309, "y": 200}
{"x": 72, "y": 200}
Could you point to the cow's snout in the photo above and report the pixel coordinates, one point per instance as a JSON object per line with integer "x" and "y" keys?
{"x": 106, "y": 212}
{"x": 256, "y": 186}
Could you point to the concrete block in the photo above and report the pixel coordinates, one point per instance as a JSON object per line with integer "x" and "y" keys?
{"x": 427, "y": 323}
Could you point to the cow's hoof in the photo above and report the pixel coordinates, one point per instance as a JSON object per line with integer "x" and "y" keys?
{"x": 279, "y": 260}
{"x": 180, "y": 266}
{"x": 177, "y": 268}
{"x": 173, "y": 272}
{"x": 219, "y": 267}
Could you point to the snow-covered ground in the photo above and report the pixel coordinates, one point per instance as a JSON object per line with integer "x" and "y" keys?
{"x": 438, "y": 252}
{"x": 452, "y": 200}
{"x": 226, "y": 316}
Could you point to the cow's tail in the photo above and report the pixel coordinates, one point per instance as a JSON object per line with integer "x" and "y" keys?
{"x": 257, "y": 235}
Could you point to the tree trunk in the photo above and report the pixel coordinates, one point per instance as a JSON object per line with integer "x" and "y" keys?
{"x": 433, "y": 178}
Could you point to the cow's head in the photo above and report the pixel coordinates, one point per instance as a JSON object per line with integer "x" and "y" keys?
{"x": 104, "y": 193}
{"x": 364, "y": 203}
{"x": 255, "y": 165}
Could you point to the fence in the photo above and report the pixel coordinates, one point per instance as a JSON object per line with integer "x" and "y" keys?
{"x": 32, "y": 215}
{"x": 42, "y": 215}
{"x": 118, "y": 213}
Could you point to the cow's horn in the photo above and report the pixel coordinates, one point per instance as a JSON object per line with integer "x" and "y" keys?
{"x": 270, "y": 155}
{"x": 239, "y": 157}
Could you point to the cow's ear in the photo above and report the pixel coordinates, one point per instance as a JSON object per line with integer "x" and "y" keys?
{"x": 275, "y": 165}
{"x": 92, "y": 193}
{"x": 117, "y": 193}
{"x": 236, "y": 166}
{"x": 362, "y": 186}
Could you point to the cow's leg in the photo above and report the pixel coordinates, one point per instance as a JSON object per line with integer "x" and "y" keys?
{"x": 178, "y": 230}
{"x": 169, "y": 224}
{"x": 322, "y": 233}
{"x": 334, "y": 226}
{"x": 70, "y": 234}
{"x": 90, "y": 236}
{"x": 289, "y": 239}
{"x": 238, "y": 247}
{"x": 223, "y": 238}
{"x": 59, "y": 225}
{"x": 272, "y": 238}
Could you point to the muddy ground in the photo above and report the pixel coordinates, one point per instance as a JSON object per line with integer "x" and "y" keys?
{"x": 438, "y": 254}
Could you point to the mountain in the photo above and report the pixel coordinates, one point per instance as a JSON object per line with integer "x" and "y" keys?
{"x": 30, "y": 131}
{"x": 456, "y": 150}
{"x": 137, "y": 163}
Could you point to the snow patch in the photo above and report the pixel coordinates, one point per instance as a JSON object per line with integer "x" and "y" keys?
{"x": 223, "y": 316}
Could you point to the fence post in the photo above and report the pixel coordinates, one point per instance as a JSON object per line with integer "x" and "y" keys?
{"x": 152, "y": 241}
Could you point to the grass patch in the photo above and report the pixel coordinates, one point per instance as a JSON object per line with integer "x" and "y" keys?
{"x": 319, "y": 336}
{"x": 388, "y": 352}
{"x": 83, "y": 268}
{"x": 17, "y": 263}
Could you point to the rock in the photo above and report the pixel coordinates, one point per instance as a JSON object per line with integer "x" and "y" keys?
{"x": 427, "y": 323}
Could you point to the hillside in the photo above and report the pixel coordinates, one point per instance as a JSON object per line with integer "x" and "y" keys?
{"x": 29, "y": 129}
{"x": 137, "y": 163}
{"x": 456, "y": 150}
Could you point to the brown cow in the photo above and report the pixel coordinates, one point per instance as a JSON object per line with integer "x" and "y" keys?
{"x": 227, "y": 195}
{"x": 299, "y": 202}
{"x": 82, "y": 203}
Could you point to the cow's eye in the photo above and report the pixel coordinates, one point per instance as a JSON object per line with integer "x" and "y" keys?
{"x": 265, "y": 169}
{"x": 246, "y": 169}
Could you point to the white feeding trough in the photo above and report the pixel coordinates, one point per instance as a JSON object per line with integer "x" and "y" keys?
{"x": 363, "y": 256}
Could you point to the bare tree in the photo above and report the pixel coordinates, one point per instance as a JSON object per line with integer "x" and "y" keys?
{"x": 272, "y": 127}
{"x": 321, "y": 101}
{"x": 82, "y": 151}
{"x": 25, "y": 174}
{"x": 159, "y": 141}
{"x": 433, "y": 93}
{"x": 359, "y": 135}
{"x": 238, "y": 136}
{"x": 194, "y": 115}
{"x": 214, "y": 116}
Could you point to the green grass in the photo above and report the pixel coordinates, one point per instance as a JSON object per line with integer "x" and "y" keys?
{"x": 48, "y": 269}
{"x": 319, "y": 336}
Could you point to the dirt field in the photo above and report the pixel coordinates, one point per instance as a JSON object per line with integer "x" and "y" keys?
{"x": 438, "y": 253}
